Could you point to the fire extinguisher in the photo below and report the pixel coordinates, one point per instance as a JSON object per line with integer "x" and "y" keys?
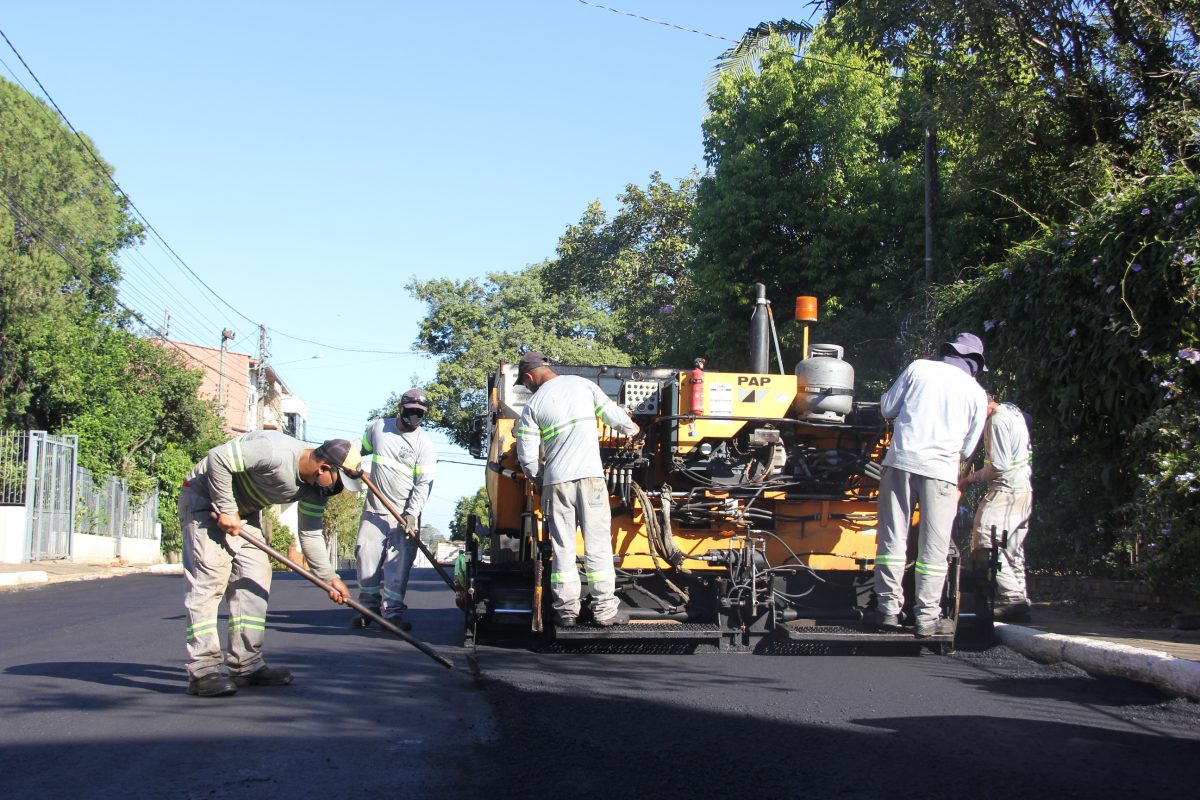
{"x": 698, "y": 387}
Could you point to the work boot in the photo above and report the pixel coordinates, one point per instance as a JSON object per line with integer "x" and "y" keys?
{"x": 564, "y": 620}
{"x": 939, "y": 627}
{"x": 214, "y": 685}
{"x": 264, "y": 676}
{"x": 887, "y": 622}
{"x": 360, "y": 622}
{"x": 1012, "y": 612}
{"x": 400, "y": 622}
{"x": 616, "y": 618}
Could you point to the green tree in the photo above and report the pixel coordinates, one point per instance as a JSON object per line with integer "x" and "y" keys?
{"x": 342, "y": 514}
{"x": 467, "y": 505}
{"x": 636, "y": 267}
{"x": 809, "y": 191}
{"x": 1093, "y": 329}
{"x": 69, "y": 361}
{"x": 61, "y": 225}
{"x": 473, "y": 324}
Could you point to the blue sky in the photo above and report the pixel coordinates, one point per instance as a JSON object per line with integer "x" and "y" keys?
{"x": 306, "y": 160}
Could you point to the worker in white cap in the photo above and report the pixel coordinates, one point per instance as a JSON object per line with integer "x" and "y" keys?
{"x": 937, "y": 410}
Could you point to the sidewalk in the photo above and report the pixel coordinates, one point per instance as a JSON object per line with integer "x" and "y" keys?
{"x": 41, "y": 573}
{"x": 1131, "y": 643}
{"x": 1134, "y": 643}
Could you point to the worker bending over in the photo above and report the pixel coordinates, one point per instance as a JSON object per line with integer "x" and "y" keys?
{"x": 221, "y": 502}
{"x": 1006, "y": 507}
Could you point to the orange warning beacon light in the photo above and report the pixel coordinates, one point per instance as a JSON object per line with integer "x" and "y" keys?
{"x": 806, "y": 312}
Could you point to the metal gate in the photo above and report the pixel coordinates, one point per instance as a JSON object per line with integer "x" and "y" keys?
{"x": 50, "y": 494}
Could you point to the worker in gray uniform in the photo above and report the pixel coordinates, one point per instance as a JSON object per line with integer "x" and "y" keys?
{"x": 559, "y": 425}
{"x": 220, "y": 504}
{"x": 1006, "y": 507}
{"x": 402, "y": 461}
{"x": 937, "y": 411}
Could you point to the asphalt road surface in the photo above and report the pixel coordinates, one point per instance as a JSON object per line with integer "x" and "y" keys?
{"x": 93, "y": 705}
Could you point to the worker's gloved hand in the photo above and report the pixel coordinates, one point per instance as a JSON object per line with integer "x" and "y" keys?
{"x": 410, "y": 523}
{"x": 353, "y": 473}
{"x": 340, "y": 593}
{"x": 461, "y": 598}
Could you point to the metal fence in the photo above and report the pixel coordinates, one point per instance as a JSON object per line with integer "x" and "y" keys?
{"x": 14, "y": 453}
{"x": 110, "y": 510}
{"x": 40, "y": 471}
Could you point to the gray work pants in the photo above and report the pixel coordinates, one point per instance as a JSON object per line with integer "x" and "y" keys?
{"x": 217, "y": 566}
{"x": 385, "y": 558}
{"x": 1008, "y": 511}
{"x": 581, "y": 505}
{"x": 900, "y": 493}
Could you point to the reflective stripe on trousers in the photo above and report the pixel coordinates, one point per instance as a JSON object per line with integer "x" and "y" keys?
{"x": 384, "y": 558}
{"x": 581, "y": 505}
{"x": 217, "y": 566}
{"x": 900, "y": 493}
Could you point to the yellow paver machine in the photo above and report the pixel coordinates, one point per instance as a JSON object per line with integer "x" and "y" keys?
{"x": 743, "y": 514}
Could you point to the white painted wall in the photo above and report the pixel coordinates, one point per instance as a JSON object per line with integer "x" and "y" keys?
{"x": 12, "y": 534}
{"x": 91, "y": 549}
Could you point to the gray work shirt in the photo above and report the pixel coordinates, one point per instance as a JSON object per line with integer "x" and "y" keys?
{"x": 259, "y": 469}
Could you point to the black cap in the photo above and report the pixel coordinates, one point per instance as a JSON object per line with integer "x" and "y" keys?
{"x": 531, "y": 361}
{"x": 344, "y": 455}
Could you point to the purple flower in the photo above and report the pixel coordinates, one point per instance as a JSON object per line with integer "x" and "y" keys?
{"x": 1179, "y": 206}
{"x": 1096, "y": 280}
{"x": 1136, "y": 267}
{"x": 1054, "y": 271}
{"x": 1190, "y": 355}
{"x": 1110, "y": 289}
{"x": 1188, "y": 258}
{"x": 1145, "y": 212}
{"x": 667, "y": 309}
{"x": 629, "y": 336}
{"x": 1072, "y": 332}
{"x": 988, "y": 324}
{"x": 1006, "y": 274}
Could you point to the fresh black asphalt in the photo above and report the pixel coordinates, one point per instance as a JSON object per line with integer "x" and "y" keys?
{"x": 93, "y": 705}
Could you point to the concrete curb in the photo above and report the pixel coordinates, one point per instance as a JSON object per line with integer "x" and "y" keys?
{"x": 27, "y": 578}
{"x": 1177, "y": 676}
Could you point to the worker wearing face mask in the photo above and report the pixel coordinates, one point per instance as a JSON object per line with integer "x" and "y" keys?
{"x": 401, "y": 459}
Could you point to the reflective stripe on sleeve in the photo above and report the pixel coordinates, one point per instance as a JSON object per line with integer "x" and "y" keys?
{"x": 311, "y": 509}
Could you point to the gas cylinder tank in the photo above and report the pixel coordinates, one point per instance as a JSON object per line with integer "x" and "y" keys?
{"x": 824, "y": 385}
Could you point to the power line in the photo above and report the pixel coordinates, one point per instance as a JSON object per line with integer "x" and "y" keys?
{"x": 160, "y": 240}
{"x": 797, "y": 55}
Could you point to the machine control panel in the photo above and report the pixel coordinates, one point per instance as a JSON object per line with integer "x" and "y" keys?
{"x": 641, "y": 397}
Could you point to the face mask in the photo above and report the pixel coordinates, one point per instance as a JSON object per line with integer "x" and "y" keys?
{"x": 329, "y": 491}
{"x": 412, "y": 420}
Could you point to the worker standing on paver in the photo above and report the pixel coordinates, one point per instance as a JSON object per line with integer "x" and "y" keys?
{"x": 937, "y": 411}
{"x": 1006, "y": 507}
{"x": 559, "y": 424}
{"x": 220, "y": 503}
{"x": 402, "y": 461}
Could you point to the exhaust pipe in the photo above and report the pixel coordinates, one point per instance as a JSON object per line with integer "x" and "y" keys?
{"x": 760, "y": 332}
